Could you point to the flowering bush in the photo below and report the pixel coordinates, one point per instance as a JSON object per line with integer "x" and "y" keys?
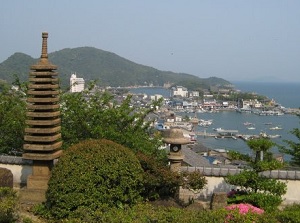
{"x": 243, "y": 213}
{"x": 245, "y": 208}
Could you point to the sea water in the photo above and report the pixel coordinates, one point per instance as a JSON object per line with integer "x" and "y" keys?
{"x": 232, "y": 120}
{"x": 286, "y": 94}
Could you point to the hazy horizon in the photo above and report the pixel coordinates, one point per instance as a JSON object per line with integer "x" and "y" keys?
{"x": 234, "y": 40}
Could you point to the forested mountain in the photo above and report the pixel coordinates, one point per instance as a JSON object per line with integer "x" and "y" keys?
{"x": 107, "y": 68}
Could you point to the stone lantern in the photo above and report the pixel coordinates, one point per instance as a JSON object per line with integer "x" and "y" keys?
{"x": 175, "y": 138}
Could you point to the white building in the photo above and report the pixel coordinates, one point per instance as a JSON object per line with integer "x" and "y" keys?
{"x": 156, "y": 97}
{"x": 194, "y": 94}
{"x": 76, "y": 84}
{"x": 180, "y": 91}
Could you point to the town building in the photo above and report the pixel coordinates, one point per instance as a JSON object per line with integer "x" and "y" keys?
{"x": 193, "y": 94}
{"x": 76, "y": 84}
{"x": 179, "y": 91}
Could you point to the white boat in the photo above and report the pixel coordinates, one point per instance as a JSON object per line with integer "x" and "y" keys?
{"x": 251, "y": 128}
{"x": 218, "y": 129}
{"x": 248, "y": 123}
{"x": 275, "y": 128}
{"x": 205, "y": 123}
{"x": 274, "y": 136}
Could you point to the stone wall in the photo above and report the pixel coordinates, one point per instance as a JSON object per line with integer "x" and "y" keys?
{"x": 19, "y": 167}
{"x": 217, "y": 184}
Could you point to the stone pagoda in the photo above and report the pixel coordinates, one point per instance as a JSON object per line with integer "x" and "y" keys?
{"x": 42, "y": 140}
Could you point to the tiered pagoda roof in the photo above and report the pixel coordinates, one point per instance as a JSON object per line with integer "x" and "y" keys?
{"x": 42, "y": 136}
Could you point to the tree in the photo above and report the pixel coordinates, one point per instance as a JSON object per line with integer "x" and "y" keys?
{"x": 294, "y": 147}
{"x": 258, "y": 189}
{"x": 95, "y": 116}
{"x": 12, "y": 121}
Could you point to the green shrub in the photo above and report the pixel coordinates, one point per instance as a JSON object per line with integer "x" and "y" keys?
{"x": 267, "y": 202}
{"x": 146, "y": 213}
{"x": 193, "y": 180}
{"x": 159, "y": 180}
{"x": 8, "y": 205}
{"x": 290, "y": 213}
{"x": 93, "y": 175}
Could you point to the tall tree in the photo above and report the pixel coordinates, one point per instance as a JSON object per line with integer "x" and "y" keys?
{"x": 12, "y": 121}
{"x": 86, "y": 116}
{"x": 294, "y": 147}
{"x": 258, "y": 189}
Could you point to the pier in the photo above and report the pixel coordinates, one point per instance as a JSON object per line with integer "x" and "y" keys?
{"x": 244, "y": 137}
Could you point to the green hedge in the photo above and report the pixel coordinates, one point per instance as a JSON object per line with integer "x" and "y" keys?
{"x": 8, "y": 205}
{"x": 93, "y": 175}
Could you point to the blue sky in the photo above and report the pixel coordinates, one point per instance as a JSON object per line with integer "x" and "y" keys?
{"x": 238, "y": 40}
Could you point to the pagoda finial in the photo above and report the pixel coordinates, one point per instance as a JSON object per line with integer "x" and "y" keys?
{"x": 44, "y": 45}
{"x": 43, "y": 62}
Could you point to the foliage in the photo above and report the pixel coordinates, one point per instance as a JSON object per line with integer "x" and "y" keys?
{"x": 250, "y": 181}
{"x": 8, "y": 205}
{"x": 193, "y": 180}
{"x": 93, "y": 175}
{"x": 145, "y": 213}
{"x": 294, "y": 147}
{"x": 159, "y": 180}
{"x": 235, "y": 96}
{"x": 259, "y": 145}
{"x": 268, "y": 202}
{"x": 94, "y": 116}
{"x": 12, "y": 121}
{"x": 290, "y": 213}
{"x": 234, "y": 155}
{"x": 259, "y": 190}
{"x": 19, "y": 64}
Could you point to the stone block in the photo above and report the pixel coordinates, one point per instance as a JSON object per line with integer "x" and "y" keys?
{"x": 6, "y": 178}
{"x": 37, "y": 182}
{"x": 218, "y": 200}
{"x": 32, "y": 196}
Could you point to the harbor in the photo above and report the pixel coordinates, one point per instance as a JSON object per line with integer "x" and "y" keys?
{"x": 229, "y": 130}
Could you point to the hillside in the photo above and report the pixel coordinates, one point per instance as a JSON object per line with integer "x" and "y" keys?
{"x": 107, "y": 68}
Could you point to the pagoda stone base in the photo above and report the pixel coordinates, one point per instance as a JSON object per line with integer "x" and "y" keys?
{"x": 37, "y": 182}
{"x": 30, "y": 197}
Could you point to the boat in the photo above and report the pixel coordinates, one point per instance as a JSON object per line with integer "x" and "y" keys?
{"x": 218, "y": 129}
{"x": 205, "y": 123}
{"x": 274, "y": 136}
{"x": 275, "y": 128}
{"x": 248, "y": 123}
{"x": 268, "y": 123}
{"x": 251, "y": 128}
